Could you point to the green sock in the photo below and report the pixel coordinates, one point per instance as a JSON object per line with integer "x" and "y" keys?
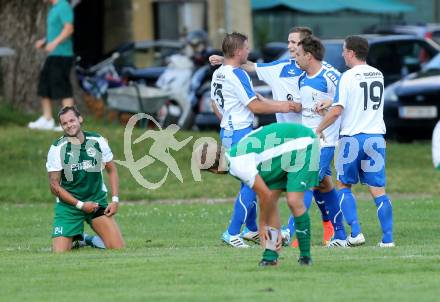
{"x": 303, "y": 233}
{"x": 270, "y": 255}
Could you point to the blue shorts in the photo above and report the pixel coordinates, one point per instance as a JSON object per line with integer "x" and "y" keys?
{"x": 362, "y": 156}
{"x": 231, "y": 137}
{"x": 325, "y": 160}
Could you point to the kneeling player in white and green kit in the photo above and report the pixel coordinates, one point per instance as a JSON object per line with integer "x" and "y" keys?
{"x": 273, "y": 159}
{"x": 74, "y": 163}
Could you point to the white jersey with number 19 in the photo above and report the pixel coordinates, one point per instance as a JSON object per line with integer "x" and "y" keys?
{"x": 360, "y": 92}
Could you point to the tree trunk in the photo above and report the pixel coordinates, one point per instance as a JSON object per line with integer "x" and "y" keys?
{"x": 22, "y": 22}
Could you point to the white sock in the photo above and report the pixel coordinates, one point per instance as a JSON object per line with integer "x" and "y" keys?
{"x": 271, "y": 243}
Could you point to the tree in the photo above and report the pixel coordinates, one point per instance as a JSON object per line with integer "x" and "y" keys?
{"x": 22, "y": 22}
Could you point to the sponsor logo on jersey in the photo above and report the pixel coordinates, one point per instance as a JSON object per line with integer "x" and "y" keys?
{"x": 220, "y": 76}
{"x": 85, "y": 165}
{"x": 91, "y": 152}
{"x": 373, "y": 74}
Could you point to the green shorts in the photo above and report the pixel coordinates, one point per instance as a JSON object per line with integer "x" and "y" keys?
{"x": 292, "y": 174}
{"x": 69, "y": 221}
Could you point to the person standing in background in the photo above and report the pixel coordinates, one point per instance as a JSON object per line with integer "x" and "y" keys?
{"x": 54, "y": 82}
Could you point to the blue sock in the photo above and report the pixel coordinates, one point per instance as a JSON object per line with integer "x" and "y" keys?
{"x": 308, "y": 195}
{"x": 243, "y": 205}
{"x": 291, "y": 225}
{"x": 251, "y": 219}
{"x": 347, "y": 202}
{"x": 320, "y": 202}
{"x": 335, "y": 213}
{"x": 385, "y": 215}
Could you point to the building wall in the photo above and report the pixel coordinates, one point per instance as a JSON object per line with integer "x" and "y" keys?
{"x": 117, "y": 23}
{"x": 426, "y": 11}
{"x": 274, "y": 25}
{"x": 133, "y": 20}
{"x": 142, "y": 21}
{"x": 227, "y": 16}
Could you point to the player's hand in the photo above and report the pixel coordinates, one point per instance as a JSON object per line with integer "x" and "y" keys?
{"x": 291, "y": 106}
{"x": 111, "y": 209}
{"x": 90, "y": 206}
{"x": 320, "y": 135}
{"x": 215, "y": 60}
{"x": 322, "y": 106}
{"x": 279, "y": 242}
{"x": 40, "y": 43}
{"x": 51, "y": 46}
{"x": 263, "y": 235}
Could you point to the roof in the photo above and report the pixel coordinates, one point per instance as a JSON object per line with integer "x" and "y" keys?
{"x": 325, "y": 6}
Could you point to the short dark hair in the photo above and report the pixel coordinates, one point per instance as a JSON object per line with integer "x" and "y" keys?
{"x": 314, "y": 46}
{"x": 232, "y": 42}
{"x": 66, "y": 109}
{"x": 302, "y": 30}
{"x": 358, "y": 45}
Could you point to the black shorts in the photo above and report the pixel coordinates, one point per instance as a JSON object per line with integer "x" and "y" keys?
{"x": 54, "y": 80}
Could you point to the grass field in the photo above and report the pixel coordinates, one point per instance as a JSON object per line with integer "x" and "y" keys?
{"x": 173, "y": 249}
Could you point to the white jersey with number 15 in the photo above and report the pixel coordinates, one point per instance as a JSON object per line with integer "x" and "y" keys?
{"x": 360, "y": 92}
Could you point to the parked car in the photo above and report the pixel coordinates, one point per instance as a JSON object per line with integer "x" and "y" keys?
{"x": 396, "y": 56}
{"x": 428, "y": 31}
{"x": 412, "y": 105}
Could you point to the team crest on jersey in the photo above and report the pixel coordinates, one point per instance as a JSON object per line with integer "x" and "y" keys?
{"x": 91, "y": 152}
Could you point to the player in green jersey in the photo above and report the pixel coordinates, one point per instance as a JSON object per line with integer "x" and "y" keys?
{"x": 74, "y": 163}
{"x": 272, "y": 159}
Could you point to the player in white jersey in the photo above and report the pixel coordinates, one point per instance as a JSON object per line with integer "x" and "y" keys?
{"x": 282, "y": 76}
{"x": 318, "y": 82}
{"x": 359, "y": 102}
{"x": 235, "y": 102}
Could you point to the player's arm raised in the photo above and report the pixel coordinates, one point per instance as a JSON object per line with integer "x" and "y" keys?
{"x": 57, "y": 190}
{"x": 217, "y": 60}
